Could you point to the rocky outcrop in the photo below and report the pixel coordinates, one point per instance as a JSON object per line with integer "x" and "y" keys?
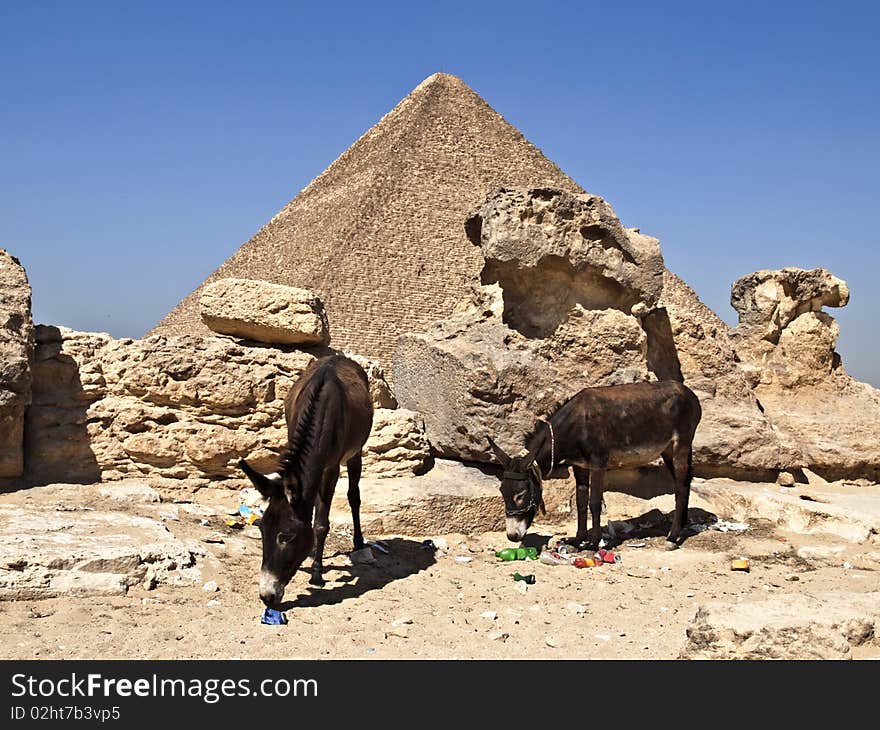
{"x": 573, "y": 299}
{"x": 178, "y": 407}
{"x": 783, "y": 337}
{"x": 786, "y": 347}
{"x": 263, "y": 312}
{"x": 735, "y": 436}
{"x": 550, "y": 250}
{"x": 823, "y": 626}
{"x": 472, "y": 375}
{"x": 16, "y": 353}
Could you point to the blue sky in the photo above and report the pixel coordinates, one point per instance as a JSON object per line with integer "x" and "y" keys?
{"x": 142, "y": 144}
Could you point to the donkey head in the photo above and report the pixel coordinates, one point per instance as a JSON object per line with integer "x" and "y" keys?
{"x": 287, "y": 537}
{"x": 521, "y": 489}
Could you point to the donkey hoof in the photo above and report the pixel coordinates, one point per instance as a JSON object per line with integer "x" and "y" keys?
{"x": 317, "y": 580}
{"x": 671, "y": 545}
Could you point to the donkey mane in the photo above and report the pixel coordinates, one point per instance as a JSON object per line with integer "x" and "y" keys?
{"x": 302, "y": 441}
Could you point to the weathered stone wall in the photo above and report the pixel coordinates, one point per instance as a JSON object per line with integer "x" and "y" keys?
{"x": 16, "y": 353}
{"x": 179, "y": 407}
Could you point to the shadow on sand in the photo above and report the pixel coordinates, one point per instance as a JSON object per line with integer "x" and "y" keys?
{"x": 650, "y": 524}
{"x": 404, "y": 558}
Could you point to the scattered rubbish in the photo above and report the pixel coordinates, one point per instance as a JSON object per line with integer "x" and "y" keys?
{"x": 213, "y": 537}
{"x": 847, "y": 565}
{"x": 551, "y": 642}
{"x": 530, "y": 578}
{"x": 211, "y": 587}
{"x": 689, "y": 594}
{"x": 551, "y": 557}
{"x": 810, "y": 498}
{"x": 235, "y": 524}
{"x": 401, "y": 621}
{"x": 402, "y": 632}
{"x": 273, "y": 617}
{"x": 521, "y": 586}
{"x": 520, "y": 553}
{"x": 491, "y": 615}
{"x": 463, "y": 558}
{"x": 214, "y": 602}
{"x": 250, "y": 514}
{"x": 636, "y": 544}
{"x": 607, "y": 556}
{"x": 497, "y": 636}
{"x": 428, "y": 545}
{"x": 364, "y": 556}
{"x": 740, "y": 564}
{"x": 585, "y": 563}
{"x": 602, "y": 637}
{"x": 381, "y": 546}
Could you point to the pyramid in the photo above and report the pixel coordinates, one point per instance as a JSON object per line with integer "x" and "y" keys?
{"x": 379, "y": 235}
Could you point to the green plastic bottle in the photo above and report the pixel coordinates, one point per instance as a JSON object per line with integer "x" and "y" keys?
{"x": 520, "y": 553}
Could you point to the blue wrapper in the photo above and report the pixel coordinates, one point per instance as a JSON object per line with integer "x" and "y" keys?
{"x": 273, "y": 617}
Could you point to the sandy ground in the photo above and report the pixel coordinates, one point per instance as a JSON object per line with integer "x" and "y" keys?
{"x": 460, "y": 602}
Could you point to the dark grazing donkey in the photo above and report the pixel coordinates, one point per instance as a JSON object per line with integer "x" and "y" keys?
{"x": 329, "y": 416}
{"x": 600, "y": 428}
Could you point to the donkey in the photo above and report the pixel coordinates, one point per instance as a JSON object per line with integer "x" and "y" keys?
{"x": 599, "y": 428}
{"x": 329, "y": 416}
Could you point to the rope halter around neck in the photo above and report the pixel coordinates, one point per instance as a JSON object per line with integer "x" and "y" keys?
{"x": 536, "y": 471}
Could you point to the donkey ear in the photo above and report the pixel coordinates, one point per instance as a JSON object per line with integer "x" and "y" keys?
{"x": 503, "y": 458}
{"x": 268, "y": 487}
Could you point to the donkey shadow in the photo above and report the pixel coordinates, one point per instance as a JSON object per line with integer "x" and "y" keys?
{"x": 404, "y": 558}
{"x": 650, "y": 524}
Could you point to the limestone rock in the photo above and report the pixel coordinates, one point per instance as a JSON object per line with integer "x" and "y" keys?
{"x": 551, "y": 250}
{"x": 16, "y": 355}
{"x": 380, "y": 391}
{"x": 822, "y": 626}
{"x": 264, "y": 312}
{"x": 45, "y": 553}
{"x": 472, "y": 375}
{"x": 769, "y": 301}
{"x": 173, "y": 407}
{"x": 397, "y": 445}
{"x": 786, "y": 347}
{"x": 180, "y": 408}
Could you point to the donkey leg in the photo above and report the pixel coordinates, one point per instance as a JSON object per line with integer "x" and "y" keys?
{"x": 322, "y": 523}
{"x": 354, "y": 498}
{"x": 682, "y": 463}
{"x": 597, "y": 484}
{"x": 582, "y": 491}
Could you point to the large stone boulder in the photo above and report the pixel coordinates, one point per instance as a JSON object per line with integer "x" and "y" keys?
{"x": 398, "y": 444}
{"x": 264, "y": 312}
{"x": 550, "y": 250}
{"x": 178, "y": 407}
{"x": 786, "y": 347}
{"x": 472, "y": 375}
{"x": 16, "y": 354}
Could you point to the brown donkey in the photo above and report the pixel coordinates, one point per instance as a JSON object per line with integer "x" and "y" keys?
{"x": 600, "y": 428}
{"x": 329, "y": 416}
